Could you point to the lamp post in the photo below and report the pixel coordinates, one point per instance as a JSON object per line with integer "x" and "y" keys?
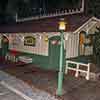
{"x": 62, "y": 27}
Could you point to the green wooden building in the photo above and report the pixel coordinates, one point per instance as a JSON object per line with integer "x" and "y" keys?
{"x": 38, "y": 41}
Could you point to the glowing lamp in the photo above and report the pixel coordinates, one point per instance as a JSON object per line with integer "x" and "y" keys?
{"x": 62, "y": 27}
{"x": 46, "y": 38}
{"x": 62, "y": 24}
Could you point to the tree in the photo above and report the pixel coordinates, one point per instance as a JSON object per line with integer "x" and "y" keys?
{"x": 3, "y": 5}
{"x": 96, "y": 46}
{"x": 92, "y": 7}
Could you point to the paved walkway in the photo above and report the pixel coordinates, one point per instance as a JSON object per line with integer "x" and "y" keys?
{"x": 75, "y": 88}
{"x": 22, "y": 89}
{"x": 6, "y": 94}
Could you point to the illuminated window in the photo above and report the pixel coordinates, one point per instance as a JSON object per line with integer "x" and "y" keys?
{"x": 29, "y": 41}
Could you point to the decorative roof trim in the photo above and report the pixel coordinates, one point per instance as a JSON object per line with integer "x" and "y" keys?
{"x": 60, "y": 13}
{"x": 86, "y": 23}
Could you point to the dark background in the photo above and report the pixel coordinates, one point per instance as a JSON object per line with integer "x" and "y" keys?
{"x": 25, "y": 8}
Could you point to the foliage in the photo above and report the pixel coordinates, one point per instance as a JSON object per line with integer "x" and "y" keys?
{"x": 96, "y": 46}
{"x": 3, "y": 5}
{"x": 93, "y": 7}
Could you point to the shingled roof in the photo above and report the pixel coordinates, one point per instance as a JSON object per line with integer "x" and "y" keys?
{"x": 46, "y": 25}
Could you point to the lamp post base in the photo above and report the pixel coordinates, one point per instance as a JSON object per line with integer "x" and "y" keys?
{"x": 60, "y": 94}
{"x": 60, "y": 90}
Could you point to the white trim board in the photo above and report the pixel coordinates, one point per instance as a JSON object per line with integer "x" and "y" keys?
{"x": 86, "y": 23}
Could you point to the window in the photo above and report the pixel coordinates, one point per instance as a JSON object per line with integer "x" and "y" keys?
{"x": 29, "y": 41}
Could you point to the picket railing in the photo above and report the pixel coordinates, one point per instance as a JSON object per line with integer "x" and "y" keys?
{"x": 77, "y": 68}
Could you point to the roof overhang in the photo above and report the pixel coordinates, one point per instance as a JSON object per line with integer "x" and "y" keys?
{"x": 88, "y": 24}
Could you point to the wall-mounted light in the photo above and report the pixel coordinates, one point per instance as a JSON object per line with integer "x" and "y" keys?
{"x": 46, "y": 38}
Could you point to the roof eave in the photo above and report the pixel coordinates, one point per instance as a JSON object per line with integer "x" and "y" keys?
{"x": 92, "y": 18}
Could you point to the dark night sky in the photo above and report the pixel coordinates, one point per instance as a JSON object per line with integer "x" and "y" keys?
{"x": 47, "y": 6}
{"x": 40, "y": 3}
{"x": 8, "y": 8}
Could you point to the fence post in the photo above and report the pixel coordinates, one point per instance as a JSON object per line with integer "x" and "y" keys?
{"x": 88, "y": 72}
{"x": 77, "y": 67}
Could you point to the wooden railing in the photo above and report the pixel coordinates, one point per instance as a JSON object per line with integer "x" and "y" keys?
{"x": 77, "y": 68}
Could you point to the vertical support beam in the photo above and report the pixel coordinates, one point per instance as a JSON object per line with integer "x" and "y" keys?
{"x": 61, "y": 73}
{"x": 82, "y": 8}
{"x": 66, "y": 68}
{"x": 78, "y": 43}
{"x": 77, "y": 68}
{"x": 88, "y": 72}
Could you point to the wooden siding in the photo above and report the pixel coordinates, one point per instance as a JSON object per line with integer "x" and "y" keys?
{"x": 71, "y": 46}
{"x": 16, "y": 42}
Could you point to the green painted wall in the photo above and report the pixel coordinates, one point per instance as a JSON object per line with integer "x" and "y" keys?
{"x": 4, "y": 45}
{"x": 46, "y": 62}
{"x": 54, "y": 52}
{"x": 39, "y": 60}
{"x": 0, "y": 52}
